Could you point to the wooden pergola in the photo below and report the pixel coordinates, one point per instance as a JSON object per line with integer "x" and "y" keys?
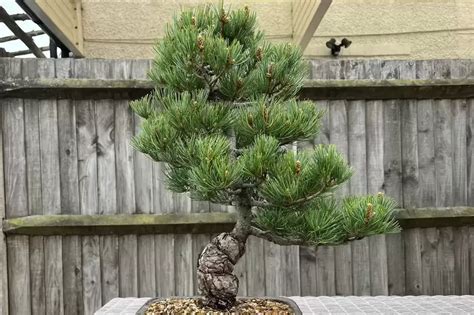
{"x": 18, "y": 33}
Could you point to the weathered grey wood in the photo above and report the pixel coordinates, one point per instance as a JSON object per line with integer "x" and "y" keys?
{"x": 413, "y": 267}
{"x": 430, "y": 269}
{"x": 325, "y": 271}
{"x": 339, "y": 137}
{"x": 50, "y": 191}
{"x": 461, "y": 261}
{"x": 146, "y": 266}
{"x": 254, "y": 256}
{"x": 14, "y": 159}
{"x": 358, "y": 182}
{"x": 290, "y": 257}
{"x": 37, "y": 275}
{"x": 413, "y": 237}
{"x": 375, "y": 181}
{"x": 143, "y": 177}
{"x": 273, "y": 263}
{"x": 68, "y": 162}
{"x": 308, "y": 270}
{"x": 19, "y": 286}
{"x": 471, "y": 259}
{"x": 165, "y": 266}
{"x": 124, "y": 128}
{"x": 427, "y": 183}
{"x": 3, "y": 244}
{"x": 395, "y": 264}
{"x": 88, "y": 197}
{"x": 350, "y": 89}
{"x": 443, "y": 133}
{"x": 91, "y": 274}
{"x": 470, "y": 153}
{"x": 446, "y": 262}
{"x": 72, "y": 275}
{"x": 106, "y": 184}
{"x": 34, "y": 183}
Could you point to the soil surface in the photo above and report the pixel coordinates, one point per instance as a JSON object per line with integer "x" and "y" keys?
{"x": 194, "y": 306}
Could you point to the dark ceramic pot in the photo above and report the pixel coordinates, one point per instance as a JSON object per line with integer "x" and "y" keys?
{"x": 291, "y": 303}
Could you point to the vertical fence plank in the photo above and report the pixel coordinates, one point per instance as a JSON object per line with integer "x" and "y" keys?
{"x": 165, "y": 266}
{"x": 338, "y": 135}
{"x": 460, "y": 182}
{"x": 35, "y": 203}
{"x": 16, "y": 199}
{"x": 87, "y": 173}
{"x": 427, "y": 181}
{"x": 91, "y": 274}
{"x": 163, "y": 202}
{"x": 325, "y": 271}
{"x": 410, "y": 184}
{"x": 470, "y": 152}
{"x": 392, "y": 164}
{"x": 358, "y": 183}
{"x": 128, "y": 244}
{"x": 72, "y": 250}
{"x": 143, "y": 196}
{"x": 106, "y": 184}
{"x": 443, "y": 142}
{"x": 375, "y": 181}
{"x": 50, "y": 192}
{"x": 273, "y": 264}
{"x": 255, "y": 259}
{"x": 3, "y": 243}
{"x": 308, "y": 270}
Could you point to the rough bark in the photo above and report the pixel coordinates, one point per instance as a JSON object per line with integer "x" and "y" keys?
{"x": 216, "y": 262}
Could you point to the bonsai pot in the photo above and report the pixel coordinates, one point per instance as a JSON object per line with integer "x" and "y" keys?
{"x": 292, "y": 305}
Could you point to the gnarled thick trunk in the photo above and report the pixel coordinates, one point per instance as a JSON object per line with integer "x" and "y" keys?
{"x": 216, "y": 262}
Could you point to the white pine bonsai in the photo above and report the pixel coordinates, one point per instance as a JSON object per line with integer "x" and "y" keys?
{"x": 222, "y": 114}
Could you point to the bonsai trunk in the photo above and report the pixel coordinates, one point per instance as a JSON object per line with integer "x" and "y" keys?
{"x": 216, "y": 262}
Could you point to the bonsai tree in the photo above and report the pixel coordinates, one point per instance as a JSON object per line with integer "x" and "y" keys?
{"x": 223, "y": 117}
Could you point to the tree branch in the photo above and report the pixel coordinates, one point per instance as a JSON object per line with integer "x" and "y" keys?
{"x": 274, "y": 238}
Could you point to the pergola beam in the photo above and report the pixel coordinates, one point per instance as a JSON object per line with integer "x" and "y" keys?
{"x": 307, "y": 15}
{"x": 14, "y": 37}
{"x": 20, "y": 34}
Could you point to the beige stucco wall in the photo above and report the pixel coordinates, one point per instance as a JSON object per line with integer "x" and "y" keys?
{"x": 401, "y": 29}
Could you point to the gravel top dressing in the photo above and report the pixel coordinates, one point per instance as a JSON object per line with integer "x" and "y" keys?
{"x": 194, "y": 306}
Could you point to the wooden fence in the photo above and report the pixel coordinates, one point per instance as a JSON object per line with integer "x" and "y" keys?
{"x": 71, "y": 156}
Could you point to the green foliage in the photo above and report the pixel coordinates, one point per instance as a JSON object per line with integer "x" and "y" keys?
{"x": 286, "y": 121}
{"x": 325, "y": 221}
{"x": 222, "y": 113}
{"x": 297, "y": 178}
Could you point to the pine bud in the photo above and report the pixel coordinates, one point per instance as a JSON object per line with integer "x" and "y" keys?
{"x": 226, "y": 173}
{"x": 270, "y": 70}
{"x": 230, "y": 60}
{"x": 193, "y": 20}
{"x": 239, "y": 84}
{"x": 250, "y": 120}
{"x": 380, "y": 194}
{"x": 259, "y": 54}
{"x": 298, "y": 167}
{"x": 224, "y": 17}
{"x": 247, "y": 11}
{"x": 200, "y": 42}
{"x": 369, "y": 213}
{"x": 265, "y": 114}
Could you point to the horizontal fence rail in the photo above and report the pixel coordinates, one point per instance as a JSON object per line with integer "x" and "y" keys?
{"x": 196, "y": 223}
{"x": 312, "y": 89}
{"x": 69, "y": 175}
